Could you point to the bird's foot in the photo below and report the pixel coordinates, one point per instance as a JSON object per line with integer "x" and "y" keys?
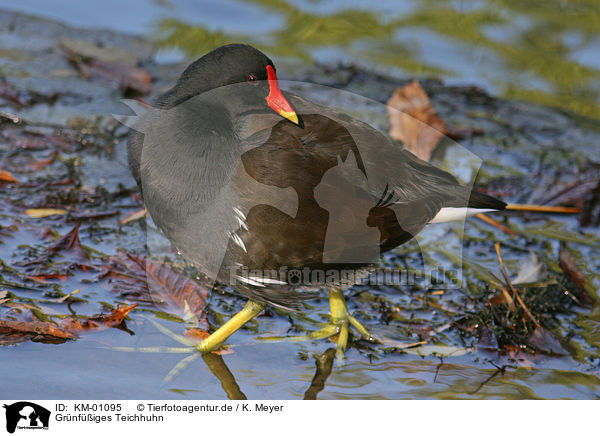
{"x": 341, "y": 320}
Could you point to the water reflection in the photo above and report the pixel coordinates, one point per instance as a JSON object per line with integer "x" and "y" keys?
{"x": 218, "y": 367}
{"x": 399, "y": 376}
{"x": 538, "y": 52}
{"x": 324, "y": 364}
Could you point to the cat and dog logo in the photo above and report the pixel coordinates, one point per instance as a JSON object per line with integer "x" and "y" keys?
{"x": 26, "y": 415}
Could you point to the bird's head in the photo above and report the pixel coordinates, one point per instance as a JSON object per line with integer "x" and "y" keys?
{"x": 247, "y": 76}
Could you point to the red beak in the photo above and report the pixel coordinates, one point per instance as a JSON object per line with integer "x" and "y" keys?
{"x": 276, "y": 100}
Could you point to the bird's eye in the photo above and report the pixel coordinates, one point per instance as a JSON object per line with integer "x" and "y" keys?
{"x": 252, "y": 79}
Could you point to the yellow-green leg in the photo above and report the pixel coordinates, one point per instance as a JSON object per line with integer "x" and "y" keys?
{"x": 215, "y": 340}
{"x": 341, "y": 318}
{"x": 340, "y": 322}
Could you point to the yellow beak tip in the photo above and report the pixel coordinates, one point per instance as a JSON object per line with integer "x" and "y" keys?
{"x": 290, "y": 116}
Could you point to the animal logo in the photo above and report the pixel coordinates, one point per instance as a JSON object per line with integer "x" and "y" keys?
{"x": 26, "y": 415}
{"x": 294, "y": 277}
{"x": 349, "y": 239}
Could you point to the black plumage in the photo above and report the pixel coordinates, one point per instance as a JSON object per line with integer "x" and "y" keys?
{"x": 233, "y": 184}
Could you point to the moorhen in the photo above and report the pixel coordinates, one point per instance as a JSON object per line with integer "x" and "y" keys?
{"x": 270, "y": 193}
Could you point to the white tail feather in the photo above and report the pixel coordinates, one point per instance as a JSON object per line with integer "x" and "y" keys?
{"x": 456, "y": 214}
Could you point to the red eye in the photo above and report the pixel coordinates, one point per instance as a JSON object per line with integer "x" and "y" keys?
{"x": 253, "y": 79}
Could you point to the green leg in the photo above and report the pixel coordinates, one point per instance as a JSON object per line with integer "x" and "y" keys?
{"x": 339, "y": 313}
{"x": 215, "y": 340}
{"x": 362, "y": 330}
{"x": 341, "y": 320}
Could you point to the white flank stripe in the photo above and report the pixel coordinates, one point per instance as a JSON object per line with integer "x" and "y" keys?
{"x": 239, "y": 241}
{"x": 249, "y": 281}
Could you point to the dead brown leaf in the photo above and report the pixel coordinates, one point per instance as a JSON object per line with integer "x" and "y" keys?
{"x": 591, "y": 207}
{"x": 70, "y": 242}
{"x": 67, "y": 245}
{"x": 414, "y": 121}
{"x": 44, "y": 213}
{"x": 196, "y": 335}
{"x": 97, "y": 323}
{"x": 544, "y": 341}
{"x": 42, "y": 163}
{"x": 135, "y": 277}
{"x": 15, "y": 331}
{"x": 571, "y": 270}
{"x": 7, "y": 177}
{"x": 92, "y": 215}
{"x": 43, "y": 278}
{"x": 487, "y": 339}
{"x": 35, "y": 328}
{"x": 134, "y": 216}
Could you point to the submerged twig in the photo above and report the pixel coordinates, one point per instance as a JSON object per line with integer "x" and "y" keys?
{"x": 12, "y": 117}
{"x": 513, "y": 289}
{"x": 499, "y": 371}
{"x": 496, "y": 224}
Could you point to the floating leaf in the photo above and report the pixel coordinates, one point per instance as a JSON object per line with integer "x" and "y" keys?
{"x": 100, "y": 322}
{"x": 414, "y": 121}
{"x": 68, "y": 246}
{"x": 196, "y": 335}
{"x": 590, "y": 215}
{"x": 487, "y": 339}
{"x": 6, "y": 176}
{"x": 545, "y": 341}
{"x": 37, "y": 330}
{"x": 70, "y": 242}
{"x": 43, "y": 278}
{"x": 89, "y": 215}
{"x": 570, "y": 268}
{"x": 134, "y": 216}
{"x": 39, "y": 164}
{"x": 438, "y": 350}
{"x": 43, "y": 213}
{"x": 136, "y": 277}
